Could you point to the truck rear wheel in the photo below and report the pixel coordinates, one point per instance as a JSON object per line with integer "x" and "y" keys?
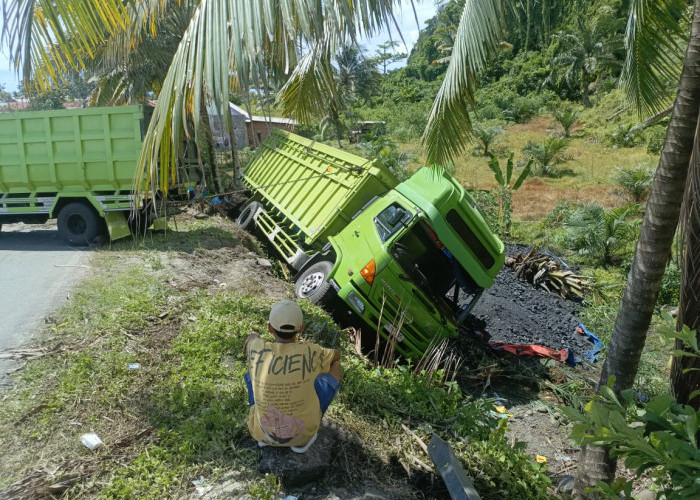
{"x": 313, "y": 284}
{"x": 78, "y": 223}
{"x": 245, "y": 220}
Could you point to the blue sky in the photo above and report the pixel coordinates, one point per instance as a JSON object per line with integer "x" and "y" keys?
{"x": 405, "y": 18}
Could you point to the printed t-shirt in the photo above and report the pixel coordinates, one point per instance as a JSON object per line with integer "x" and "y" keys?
{"x": 286, "y": 410}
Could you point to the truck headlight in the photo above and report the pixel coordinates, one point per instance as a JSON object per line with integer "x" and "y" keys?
{"x": 356, "y": 302}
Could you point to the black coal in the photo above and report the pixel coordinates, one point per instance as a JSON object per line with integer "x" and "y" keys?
{"x": 514, "y": 311}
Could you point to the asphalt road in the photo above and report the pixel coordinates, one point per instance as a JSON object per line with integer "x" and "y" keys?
{"x": 37, "y": 271}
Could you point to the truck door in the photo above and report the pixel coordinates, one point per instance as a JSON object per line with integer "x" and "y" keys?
{"x": 424, "y": 290}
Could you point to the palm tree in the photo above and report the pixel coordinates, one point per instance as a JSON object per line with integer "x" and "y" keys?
{"x": 592, "y": 230}
{"x": 547, "y": 154}
{"x": 654, "y": 43}
{"x": 356, "y": 80}
{"x": 227, "y": 43}
{"x": 586, "y": 52}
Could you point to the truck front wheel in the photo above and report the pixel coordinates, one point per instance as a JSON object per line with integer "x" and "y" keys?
{"x": 313, "y": 284}
{"x": 78, "y": 223}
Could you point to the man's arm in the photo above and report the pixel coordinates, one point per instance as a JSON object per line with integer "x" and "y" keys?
{"x": 250, "y": 338}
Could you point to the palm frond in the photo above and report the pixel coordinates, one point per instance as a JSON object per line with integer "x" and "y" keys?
{"x": 49, "y": 38}
{"x": 654, "y": 39}
{"x": 243, "y": 44}
{"x": 477, "y": 39}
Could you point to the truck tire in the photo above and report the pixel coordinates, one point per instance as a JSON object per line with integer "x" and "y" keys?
{"x": 78, "y": 223}
{"x": 245, "y": 219}
{"x": 313, "y": 284}
{"x": 140, "y": 221}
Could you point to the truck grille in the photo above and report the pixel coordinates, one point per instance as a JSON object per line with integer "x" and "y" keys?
{"x": 412, "y": 341}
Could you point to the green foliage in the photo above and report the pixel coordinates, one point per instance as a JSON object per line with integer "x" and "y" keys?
{"x": 438, "y": 33}
{"x": 670, "y": 286}
{"x": 589, "y": 50}
{"x": 598, "y": 233}
{"x": 658, "y": 438}
{"x": 499, "y": 470}
{"x": 635, "y": 183}
{"x": 626, "y": 136}
{"x": 266, "y": 489}
{"x": 488, "y": 206}
{"x": 561, "y": 209}
{"x": 389, "y": 154}
{"x": 512, "y": 106}
{"x": 566, "y": 116}
{"x": 655, "y": 139}
{"x": 547, "y": 155}
{"x": 505, "y": 188}
{"x": 487, "y": 135}
{"x": 46, "y": 101}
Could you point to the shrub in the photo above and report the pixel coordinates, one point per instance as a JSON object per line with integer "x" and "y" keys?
{"x": 593, "y": 231}
{"x": 547, "y": 154}
{"x": 634, "y": 183}
{"x": 658, "y": 438}
{"x": 487, "y": 205}
{"x": 487, "y": 136}
{"x": 500, "y": 470}
{"x": 670, "y": 286}
{"x": 567, "y": 116}
{"x": 626, "y": 136}
{"x": 655, "y": 139}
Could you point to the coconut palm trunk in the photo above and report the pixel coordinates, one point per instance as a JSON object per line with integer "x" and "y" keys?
{"x": 685, "y": 371}
{"x": 655, "y": 240}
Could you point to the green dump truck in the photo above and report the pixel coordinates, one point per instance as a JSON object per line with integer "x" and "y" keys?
{"x": 411, "y": 259}
{"x": 76, "y": 165}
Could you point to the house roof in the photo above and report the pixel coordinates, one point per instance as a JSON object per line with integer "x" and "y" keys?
{"x": 237, "y": 110}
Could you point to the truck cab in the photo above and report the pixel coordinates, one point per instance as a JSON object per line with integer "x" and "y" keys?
{"x": 416, "y": 260}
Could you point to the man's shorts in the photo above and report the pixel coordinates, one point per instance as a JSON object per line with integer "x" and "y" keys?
{"x": 325, "y": 384}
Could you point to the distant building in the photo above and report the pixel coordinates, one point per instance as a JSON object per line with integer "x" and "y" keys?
{"x": 257, "y": 128}
{"x": 14, "y": 105}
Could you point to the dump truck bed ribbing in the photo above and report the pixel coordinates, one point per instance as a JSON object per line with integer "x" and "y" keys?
{"x": 317, "y": 188}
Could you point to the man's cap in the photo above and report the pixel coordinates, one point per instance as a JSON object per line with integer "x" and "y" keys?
{"x": 286, "y": 316}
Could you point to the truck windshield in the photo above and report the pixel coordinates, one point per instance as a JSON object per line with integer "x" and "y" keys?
{"x": 435, "y": 272}
{"x": 390, "y": 220}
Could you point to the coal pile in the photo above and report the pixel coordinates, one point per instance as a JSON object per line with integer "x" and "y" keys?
{"x": 514, "y": 311}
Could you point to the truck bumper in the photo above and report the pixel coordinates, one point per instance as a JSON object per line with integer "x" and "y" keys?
{"x": 411, "y": 338}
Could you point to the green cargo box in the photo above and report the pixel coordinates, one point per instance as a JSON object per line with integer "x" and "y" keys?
{"x": 316, "y": 188}
{"x": 90, "y": 149}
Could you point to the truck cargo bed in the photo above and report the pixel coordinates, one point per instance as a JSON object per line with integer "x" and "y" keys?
{"x": 316, "y": 188}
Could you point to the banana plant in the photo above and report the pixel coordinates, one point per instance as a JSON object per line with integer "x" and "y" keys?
{"x": 505, "y": 188}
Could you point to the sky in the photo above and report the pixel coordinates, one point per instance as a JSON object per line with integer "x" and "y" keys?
{"x": 405, "y": 19}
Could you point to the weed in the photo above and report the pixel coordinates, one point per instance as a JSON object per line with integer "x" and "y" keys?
{"x": 635, "y": 183}
{"x": 498, "y": 469}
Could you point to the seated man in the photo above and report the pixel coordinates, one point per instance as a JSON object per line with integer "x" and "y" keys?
{"x": 290, "y": 385}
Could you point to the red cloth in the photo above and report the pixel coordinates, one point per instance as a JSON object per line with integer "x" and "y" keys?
{"x": 529, "y": 350}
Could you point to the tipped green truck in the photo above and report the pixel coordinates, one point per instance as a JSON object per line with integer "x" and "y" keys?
{"x": 75, "y": 165}
{"x": 411, "y": 259}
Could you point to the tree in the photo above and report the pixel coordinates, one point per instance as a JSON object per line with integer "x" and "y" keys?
{"x": 4, "y": 96}
{"x": 567, "y": 116}
{"x": 385, "y": 55}
{"x": 591, "y": 230}
{"x": 586, "y": 52}
{"x": 505, "y": 188}
{"x": 356, "y": 80}
{"x": 634, "y": 182}
{"x": 653, "y": 41}
{"x": 487, "y": 136}
{"x": 227, "y": 43}
{"x": 547, "y": 154}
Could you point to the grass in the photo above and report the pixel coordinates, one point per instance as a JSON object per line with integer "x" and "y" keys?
{"x": 182, "y": 414}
